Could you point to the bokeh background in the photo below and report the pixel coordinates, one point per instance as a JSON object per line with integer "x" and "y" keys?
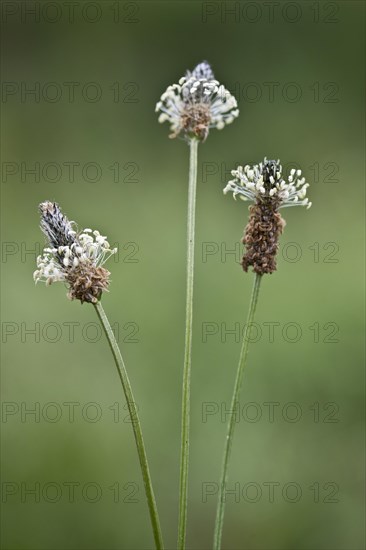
{"x": 82, "y": 467}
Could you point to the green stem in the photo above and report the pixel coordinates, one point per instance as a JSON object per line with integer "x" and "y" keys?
{"x": 122, "y": 373}
{"x": 231, "y": 424}
{"x": 184, "y": 460}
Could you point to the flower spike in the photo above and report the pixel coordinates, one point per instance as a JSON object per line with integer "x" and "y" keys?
{"x": 75, "y": 258}
{"x": 264, "y": 185}
{"x": 196, "y": 104}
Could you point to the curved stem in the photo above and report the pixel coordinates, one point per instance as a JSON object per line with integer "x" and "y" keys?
{"x": 183, "y": 485}
{"x": 231, "y": 424}
{"x": 135, "y": 424}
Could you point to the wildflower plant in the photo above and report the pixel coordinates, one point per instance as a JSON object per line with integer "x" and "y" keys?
{"x": 265, "y": 186}
{"x": 193, "y": 107}
{"x": 76, "y": 258}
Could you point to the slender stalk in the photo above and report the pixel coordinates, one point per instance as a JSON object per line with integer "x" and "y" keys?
{"x": 231, "y": 424}
{"x": 184, "y": 460}
{"x": 122, "y": 373}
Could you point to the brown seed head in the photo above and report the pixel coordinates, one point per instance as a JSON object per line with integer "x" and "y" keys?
{"x": 196, "y": 121}
{"x": 87, "y": 283}
{"x": 261, "y": 237}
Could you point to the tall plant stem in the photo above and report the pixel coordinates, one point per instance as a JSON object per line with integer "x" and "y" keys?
{"x": 184, "y": 457}
{"x": 231, "y": 423}
{"x": 122, "y": 373}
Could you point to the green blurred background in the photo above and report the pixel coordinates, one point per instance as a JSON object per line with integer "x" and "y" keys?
{"x": 311, "y": 55}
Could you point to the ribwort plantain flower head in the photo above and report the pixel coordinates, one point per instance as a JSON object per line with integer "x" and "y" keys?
{"x": 73, "y": 257}
{"x": 264, "y": 181}
{"x": 264, "y": 185}
{"x": 196, "y": 104}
